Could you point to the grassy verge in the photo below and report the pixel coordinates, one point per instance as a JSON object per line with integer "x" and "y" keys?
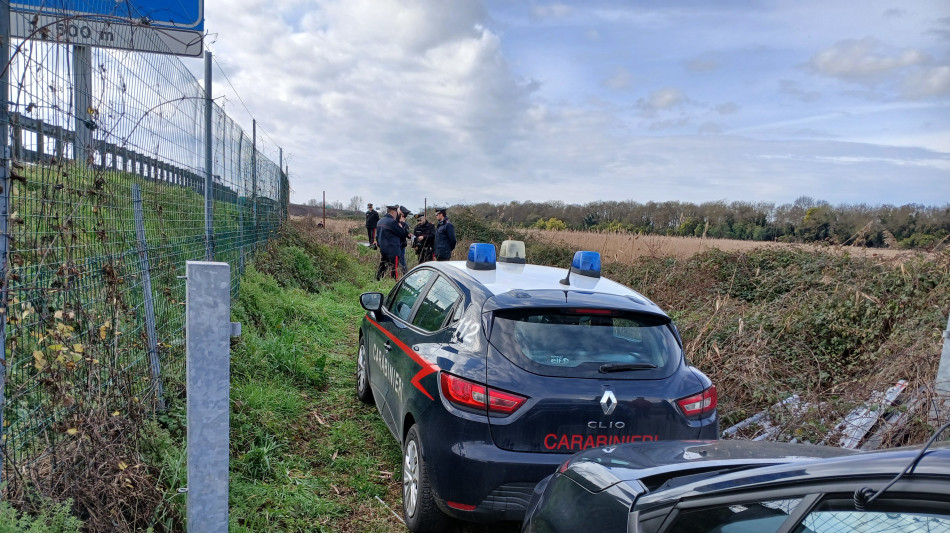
{"x": 306, "y": 455}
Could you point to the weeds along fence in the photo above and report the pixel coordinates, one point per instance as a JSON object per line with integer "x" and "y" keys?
{"x": 106, "y": 204}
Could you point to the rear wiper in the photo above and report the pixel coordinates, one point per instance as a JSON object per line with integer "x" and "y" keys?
{"x": 623, "y": 367}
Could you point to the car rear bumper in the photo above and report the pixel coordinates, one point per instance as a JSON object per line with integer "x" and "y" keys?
{"x": 475, "y": 480}
{"x": 480, "y": 482}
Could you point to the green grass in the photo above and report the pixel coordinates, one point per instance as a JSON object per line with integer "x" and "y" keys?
{"x": 305, "y": 454}
{"x": 52, "y": 518}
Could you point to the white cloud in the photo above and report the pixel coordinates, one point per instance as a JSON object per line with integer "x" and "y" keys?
{"x": 663, "y": 99}
{"x": 400, "y": 100}
{"x": 375, "y": 92}
{"x": 552, "y": 11}
{"x": 863, "y": 60}
{"x": 928, "y": 82}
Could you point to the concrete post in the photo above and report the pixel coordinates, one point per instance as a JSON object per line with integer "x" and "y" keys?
{"x": 208, "y": 375}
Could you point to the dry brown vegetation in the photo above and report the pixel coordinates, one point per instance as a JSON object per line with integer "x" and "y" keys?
{"x": 832, "y": 328}
{"x": 629, "y": 246}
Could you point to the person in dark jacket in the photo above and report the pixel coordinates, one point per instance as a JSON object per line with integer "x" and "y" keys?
{"x": 444, "y": 236}
{"x": 403, "y": 218}
{"x": 424, "y": 238}
{"x": 372, "y": 218}
{"x": 389, "y": 233}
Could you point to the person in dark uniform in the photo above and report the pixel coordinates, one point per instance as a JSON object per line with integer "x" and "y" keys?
{"x": 389, "y": 232}
{"x": 423, "y": 238}
{"x": 403, "y": 218}
{"x": 444, "y": 236}
{"x": 372, "y": 218}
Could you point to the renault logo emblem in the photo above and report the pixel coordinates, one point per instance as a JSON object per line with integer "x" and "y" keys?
{"x": 608, "y": 402}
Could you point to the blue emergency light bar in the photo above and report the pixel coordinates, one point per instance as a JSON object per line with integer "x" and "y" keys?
{"x": 481, "y": 256}
{"x": 586, "y": 264}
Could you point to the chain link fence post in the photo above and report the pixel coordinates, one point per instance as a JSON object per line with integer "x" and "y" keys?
{"x": 4, "y": 217}
{"x": 148, "y": 300}
{"x": 209, "y": 165}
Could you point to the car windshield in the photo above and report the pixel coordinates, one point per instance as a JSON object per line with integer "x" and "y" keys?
{"x": 591, "y": 343}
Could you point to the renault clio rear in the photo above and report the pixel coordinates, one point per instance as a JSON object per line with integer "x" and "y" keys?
{"x": 488, "y": 372}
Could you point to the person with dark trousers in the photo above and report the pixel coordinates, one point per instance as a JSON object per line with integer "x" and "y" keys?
{"x": 424, "y": 238}
{"x": 403, "y": 216}
{"x": 444, "y": 236}
{"x": 389, "y": 232}
{"x": 372, "y": 218}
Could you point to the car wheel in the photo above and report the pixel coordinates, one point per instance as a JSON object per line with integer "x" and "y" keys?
{"x": 363, "y": 390}
{"x": 418, "y": 503}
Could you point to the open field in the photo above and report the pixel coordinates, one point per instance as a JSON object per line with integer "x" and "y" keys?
{"x": 619, "y": 247}
{"x": 627, "y": 246}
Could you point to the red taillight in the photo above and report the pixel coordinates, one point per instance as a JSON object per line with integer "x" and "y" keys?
{"x": 586, "y": 311}
{"x": 699, "y": 404}
{"x": 476, "y": 396}
{"x": 460, "y": 506}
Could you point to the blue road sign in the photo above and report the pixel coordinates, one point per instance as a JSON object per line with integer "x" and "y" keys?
{"x": 164, "y": 26}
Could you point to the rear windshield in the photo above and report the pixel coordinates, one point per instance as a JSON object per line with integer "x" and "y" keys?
{"x": 587, "y": 342}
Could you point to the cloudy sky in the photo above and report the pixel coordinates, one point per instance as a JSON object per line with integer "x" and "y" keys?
{"x": 463, "y": 101}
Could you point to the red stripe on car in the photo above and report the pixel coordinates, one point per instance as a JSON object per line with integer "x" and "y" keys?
{"x": 427, "y": 368}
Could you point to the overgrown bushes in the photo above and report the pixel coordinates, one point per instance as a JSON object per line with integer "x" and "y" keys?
{"x": 771, "y": 323}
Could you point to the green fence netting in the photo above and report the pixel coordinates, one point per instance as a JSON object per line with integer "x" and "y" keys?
{"x": 107, "y": 196}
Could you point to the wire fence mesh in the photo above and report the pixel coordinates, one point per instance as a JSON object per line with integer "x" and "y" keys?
{"x": 95, "y": 300}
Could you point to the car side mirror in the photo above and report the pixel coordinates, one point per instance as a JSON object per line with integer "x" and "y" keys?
{"x": 372, "y": 301}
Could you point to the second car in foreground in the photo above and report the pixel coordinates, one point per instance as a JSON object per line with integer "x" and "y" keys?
{"x": 744, "y": 487}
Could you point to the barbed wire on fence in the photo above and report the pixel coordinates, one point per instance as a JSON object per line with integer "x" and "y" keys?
{"x": 106, "y": 205}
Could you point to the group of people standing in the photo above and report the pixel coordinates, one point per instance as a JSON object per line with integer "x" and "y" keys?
{"x": 391, "y": 235}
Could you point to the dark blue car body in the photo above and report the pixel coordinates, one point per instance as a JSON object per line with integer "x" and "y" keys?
{"x": 742, "y": 487}
{"x": 483, "y": 376}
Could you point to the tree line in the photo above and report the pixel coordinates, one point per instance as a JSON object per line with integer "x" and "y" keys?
{"x": 805, "y": 220}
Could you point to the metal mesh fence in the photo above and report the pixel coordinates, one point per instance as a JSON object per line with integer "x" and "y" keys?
{"x": 106, "y": 203}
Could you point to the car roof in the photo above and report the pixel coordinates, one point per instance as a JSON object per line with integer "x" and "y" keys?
{"x": 876, "y": 464}
{"x": 506, "y": 281}
{"x": 653, "y": 463}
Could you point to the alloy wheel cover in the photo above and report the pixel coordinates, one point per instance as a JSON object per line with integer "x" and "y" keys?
{"x": 361, "y": 368}
{"x": 410, "y": 478}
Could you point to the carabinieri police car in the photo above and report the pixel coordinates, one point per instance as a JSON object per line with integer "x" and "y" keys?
{"x": 490, "y": 372}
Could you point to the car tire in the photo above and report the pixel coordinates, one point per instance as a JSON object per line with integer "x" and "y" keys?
{"x": 418, "y": 502}
{"x": 363, "y": 389}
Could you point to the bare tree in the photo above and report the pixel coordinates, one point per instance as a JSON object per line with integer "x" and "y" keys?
{"x": 356, "y": 203}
